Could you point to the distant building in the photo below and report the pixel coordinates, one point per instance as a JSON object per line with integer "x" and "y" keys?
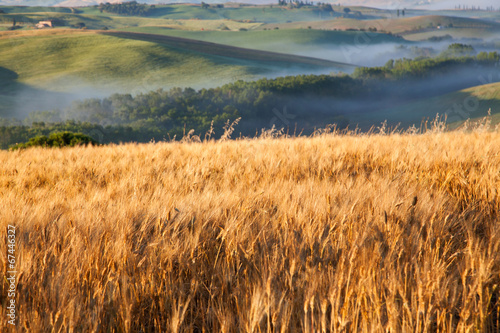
{"x": 45, "y": 24}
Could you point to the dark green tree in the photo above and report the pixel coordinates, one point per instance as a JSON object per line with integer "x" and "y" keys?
{"x": 58, "y": 140}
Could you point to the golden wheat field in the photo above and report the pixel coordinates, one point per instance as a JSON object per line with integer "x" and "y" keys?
{"x": 333, "y": 233}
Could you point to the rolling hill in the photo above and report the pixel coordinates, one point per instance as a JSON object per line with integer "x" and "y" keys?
{"x": 253, "y": 14}
{"x": 471, "y": 103}
{"x": 28, "y": 20}
{"x": 403, "y": 25}
{"x": 186, "y": 45}
{"x": 340, "y": 46}
{"x": 192, "y": 17}
{"x": 286, "y": 39}
{"x": 42, "y": 65}
{"x": 209, "y": 48}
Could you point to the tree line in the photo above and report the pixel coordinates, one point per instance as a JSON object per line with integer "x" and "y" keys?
{"x": 164, "y": 114}
{"x": 456, "y": 56}
{"x": 132, "y": 8}
{"x": 294, "y": 103}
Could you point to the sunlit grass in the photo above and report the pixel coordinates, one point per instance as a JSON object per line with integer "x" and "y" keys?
{"x": 57, "y": 60}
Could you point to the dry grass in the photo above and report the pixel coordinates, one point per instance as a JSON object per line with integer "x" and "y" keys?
{"x": 394, "y": 233}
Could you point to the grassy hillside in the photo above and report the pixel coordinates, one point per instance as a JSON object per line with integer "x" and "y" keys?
{"x": 71, "y": 62}
{"x": 93, "y": 18}
{"x": 253, "y": 13}
{"x": 395, "y": 25}
{"x": 473, "y": 34}
{"x": 232, "y": 52}
{"x": 480, "y": 14}
{"x": 372, "y": 233}
{"x": 413, "y": 28}
{"x": 314, "y": 43}
{"x": 300, "y": 37}
{"x": 459, "y": 106}
{"x": 117, "y": 22}
{"x": 189, "y": 17}
{"x": 86, "y": 63}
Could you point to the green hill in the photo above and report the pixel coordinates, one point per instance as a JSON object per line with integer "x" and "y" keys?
{"x": 402, "y": 25}
{"x": 471, "y": 103}
{"x": 91, "y": 21}
{"x": 306, "y": 42}
{"x": 73, "y": 61}
{"x": 94, "y": 19}
{"x": 274, "y": 58}
{"x": 266, "y": 14}
{"x": 47, "y": 60}
{"x": 301, "y": 37}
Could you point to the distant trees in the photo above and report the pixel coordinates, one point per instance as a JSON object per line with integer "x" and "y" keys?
{"x": 14, "y": 26}
{"x": 347, "y": 10}
{"x": 207, "y": 6}
{"x": 476, "y": 8}
{"x": 458, "y": 50}
{"x": 326, "y": 7}
{"x": 161, "y": 113}
{"x": 291, "y": 3}
{"x": 440, "y": 38}
{"x": 429, "y": 67}
{"x": 488, "y": 57}
{"x": 131, "y": 8}
{"x": 301, "y": 3}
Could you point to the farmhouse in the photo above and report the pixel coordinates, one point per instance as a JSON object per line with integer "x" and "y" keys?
{"x": 45, "y": 24}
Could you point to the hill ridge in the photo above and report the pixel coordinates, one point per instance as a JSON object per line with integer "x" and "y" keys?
{"x": 225, "y": 50}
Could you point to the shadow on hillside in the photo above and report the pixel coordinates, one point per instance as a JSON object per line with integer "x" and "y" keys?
{"x": 226, "y": 52}
{"x": 457, "y": 107}
{"x": 7, "y": 80}
{"x": 162, "y": 11}
{"x": 467, "y": 106}
{"x": 17, "y": 99}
